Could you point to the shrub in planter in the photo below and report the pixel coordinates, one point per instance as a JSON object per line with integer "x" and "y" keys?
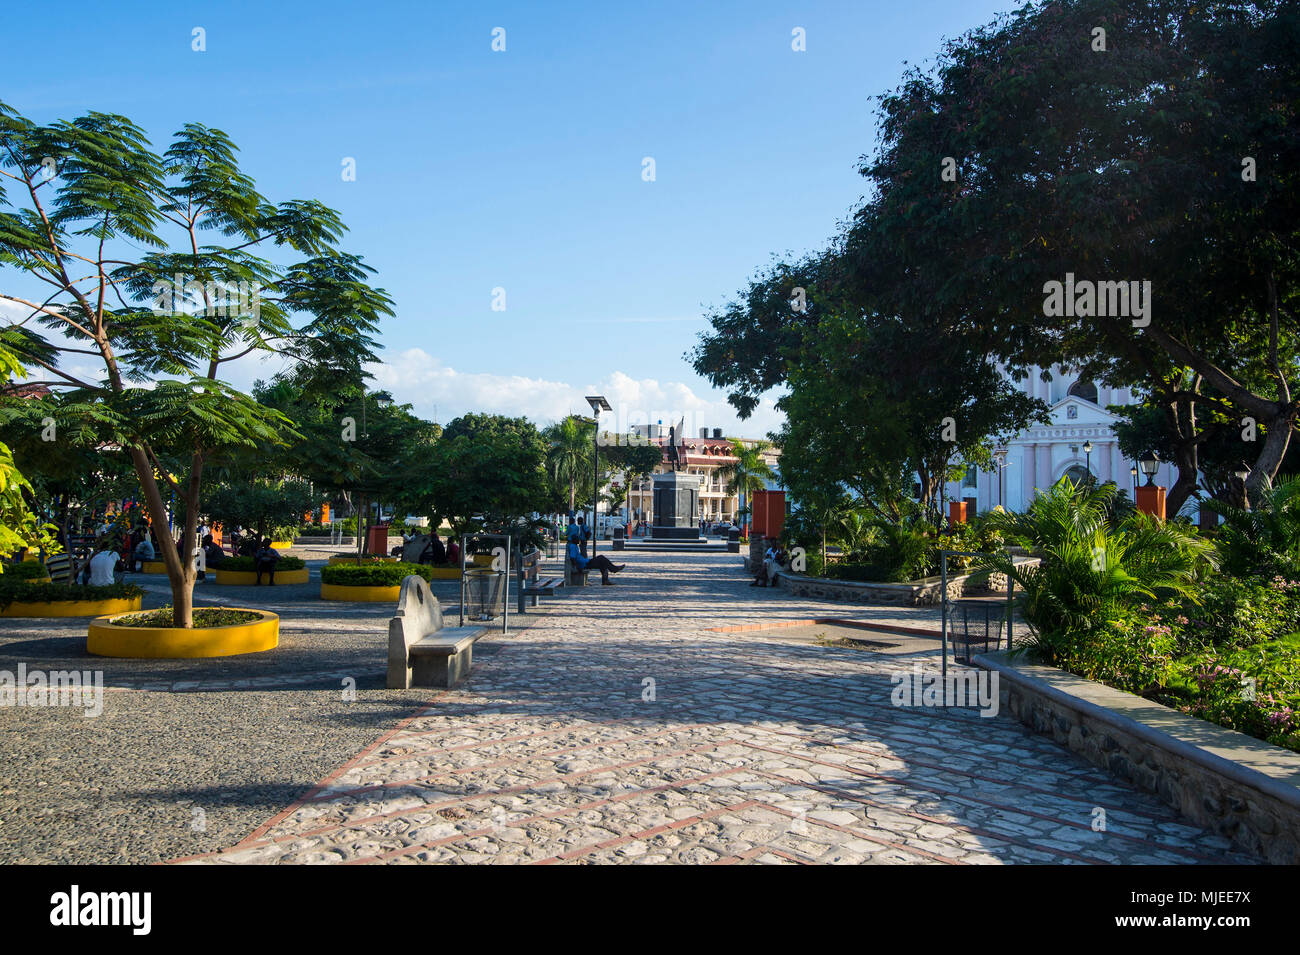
{"x": 245, "y": 564}
{"x": 25, "y": 570}
{"x": 204, "y": 617}
{"x": 27, "y": 592}
{"x": 373, "y": 575}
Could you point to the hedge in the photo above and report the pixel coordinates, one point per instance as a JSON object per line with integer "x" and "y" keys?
{"x": 26, "y": 570}
{"x": 246, "y": 564}
{"x": 21, "y": 592}
{"x": 372, "y": 575}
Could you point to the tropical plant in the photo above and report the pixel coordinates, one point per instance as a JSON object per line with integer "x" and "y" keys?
{"x": 1263, "y": 539}
{"x": 1090, "y": 572}
{"x": 570, "y": 445}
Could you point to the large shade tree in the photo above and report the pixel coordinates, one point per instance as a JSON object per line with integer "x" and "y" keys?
{"x": 156, "y": 270}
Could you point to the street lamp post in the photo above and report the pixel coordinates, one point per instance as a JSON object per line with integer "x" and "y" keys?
{"x": 1001, "y": 457}
{"x": 1087, "y": 458}
{"x": 1133, "y": 472}
{"x": 598, "y": 404}
{"x": 1241, "y": 476}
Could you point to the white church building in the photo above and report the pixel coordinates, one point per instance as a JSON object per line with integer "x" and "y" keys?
{"x": 1079, "y": 438}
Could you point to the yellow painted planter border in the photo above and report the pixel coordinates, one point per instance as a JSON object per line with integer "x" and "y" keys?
{"x": 248, "y": 578}
{"x": 360, "y": 594}
{"x": 153, "y": 567}
{"x": 446, "y": 573}
{"x": 281, "y": 545}
{"x": 106, "y": 639}
{"x": 71, "y": 608}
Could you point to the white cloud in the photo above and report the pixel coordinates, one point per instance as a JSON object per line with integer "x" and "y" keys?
{"x": 417, "y": 378}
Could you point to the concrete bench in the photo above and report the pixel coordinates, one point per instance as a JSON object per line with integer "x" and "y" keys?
{"x": 421, "y": 651}
{"x": 573, "y": 577}
{"x": 531, "y": 584}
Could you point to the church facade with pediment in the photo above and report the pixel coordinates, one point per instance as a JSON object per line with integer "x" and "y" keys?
{"x": 1079, "y": 438}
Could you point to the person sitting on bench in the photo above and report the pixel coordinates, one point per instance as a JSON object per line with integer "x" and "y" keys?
{"x": 264, "y": 562}
{"x": 600, "y": 562}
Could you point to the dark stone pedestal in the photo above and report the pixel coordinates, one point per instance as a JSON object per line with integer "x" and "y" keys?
{"x": 676, "y": 507}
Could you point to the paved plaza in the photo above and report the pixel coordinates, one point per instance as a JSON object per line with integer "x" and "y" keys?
{"x": 631, "y": 723}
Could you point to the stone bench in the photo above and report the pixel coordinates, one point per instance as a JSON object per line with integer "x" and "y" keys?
{"x": 421, "y": 651}
{"x": 573, "y": 577}
{"x": 531, "y": 584}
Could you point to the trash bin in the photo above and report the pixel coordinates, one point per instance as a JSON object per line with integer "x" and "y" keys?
{"x": 483, "y": 587}
{"x": 618, "y": 538}
{"x": 733, "y": 541}
{"x": 377, "y": 540}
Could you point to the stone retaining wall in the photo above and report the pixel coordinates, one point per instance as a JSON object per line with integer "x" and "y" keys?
{"x": 1242, "y": 788}
{"x": 910, "y": 593}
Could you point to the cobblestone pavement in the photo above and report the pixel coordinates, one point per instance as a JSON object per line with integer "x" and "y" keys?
{"x": 623, "y": 726}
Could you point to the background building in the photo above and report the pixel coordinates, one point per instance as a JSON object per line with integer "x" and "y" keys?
{"x": 1039, "y": 456}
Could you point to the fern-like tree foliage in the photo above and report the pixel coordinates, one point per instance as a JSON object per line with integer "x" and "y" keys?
{"x": 1263, "y": 539}
{"x": 138, "y": 277}
{"x": 1092, "y": 567}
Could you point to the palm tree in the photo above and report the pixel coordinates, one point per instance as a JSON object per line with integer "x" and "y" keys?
{"x": 568, "y": 459}
{"x": 1264, "y": 539}
{"x": 1090, "y": 567}
{"x": 748, "y": 472}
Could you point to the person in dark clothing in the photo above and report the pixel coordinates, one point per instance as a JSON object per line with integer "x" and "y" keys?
{"x": 434, "y": 551}
{"x": 600, "y": 562}
{"x": 264, "y": 562}
{"x": 213, "y": 555}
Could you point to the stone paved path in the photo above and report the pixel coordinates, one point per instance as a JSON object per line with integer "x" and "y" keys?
{"x": 622, "y": 726}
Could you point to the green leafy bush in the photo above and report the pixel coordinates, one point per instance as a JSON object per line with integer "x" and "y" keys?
{"x": 204, "y": 617}
{"x": 1126, "y": 651}
{"x": 1254, "y": 690}
{"x": 25, "y": 570}
{"x": 373, "y": 575}
{"x": 311, "y": 530}
{"x": 1234, "y": 613}
{"x": 22, "y": 591}
{"x": 246, "y": 564}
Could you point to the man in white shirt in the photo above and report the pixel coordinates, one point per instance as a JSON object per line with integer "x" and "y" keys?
{"x": 103, "y": 566}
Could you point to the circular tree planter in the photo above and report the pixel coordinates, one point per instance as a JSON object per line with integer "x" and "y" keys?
{"x": 281, "y": 545}
{"x": 71, "y": 608}
{"x": 107, "y": 639}
{"x": 359, "y": 593}
{"x": 248, "y": 578}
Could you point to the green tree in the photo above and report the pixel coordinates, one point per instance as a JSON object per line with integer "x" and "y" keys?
{"x": 1169, "y": 158}
{"x": 487, "y": 470}
{"x": 570, "y": 445}
{"x": 266, "y": 506}
{"x": 162, "y": 319}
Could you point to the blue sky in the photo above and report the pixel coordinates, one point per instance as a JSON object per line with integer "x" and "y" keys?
{"x": 521, "y": 169}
